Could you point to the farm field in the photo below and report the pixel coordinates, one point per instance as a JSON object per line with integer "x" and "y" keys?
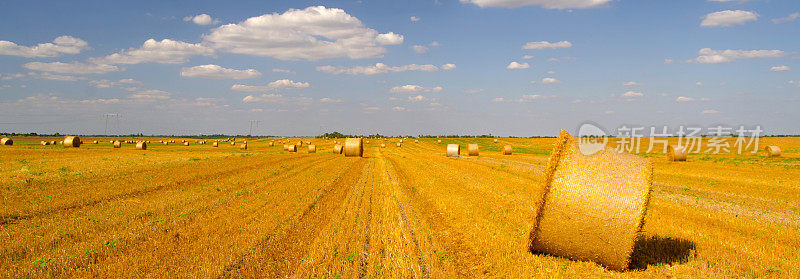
{"x": 399, "y": 212}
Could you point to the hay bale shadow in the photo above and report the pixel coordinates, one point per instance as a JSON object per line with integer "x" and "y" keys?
{"x": 656, "y": 250}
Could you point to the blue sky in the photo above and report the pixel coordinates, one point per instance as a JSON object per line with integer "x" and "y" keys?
{"x": 396, "y": 67}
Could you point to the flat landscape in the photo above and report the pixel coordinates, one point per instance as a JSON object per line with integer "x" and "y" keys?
{"x": 398, "y": 212}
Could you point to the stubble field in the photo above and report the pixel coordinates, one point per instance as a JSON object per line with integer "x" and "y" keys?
{"x": 399, "y": 212}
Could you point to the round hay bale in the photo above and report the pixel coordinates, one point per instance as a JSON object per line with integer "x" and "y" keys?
{"x": 337, "y": 149}
{"x": 383, "y": 145}
{"x": 72, "y": 141}
{"x": 141, "y": 145}
{"x": 773, "y": 151}
{"x": 52, "y": 142}
{"x": 401, "y": 141}
{"x": 285, "y": 147}
{"x": 215, "y": 144}
{"x": 44, "y": 142}
{"x": 299, "y": 144}
{"x": 312, "y": 148}
{"x": 453, "y": 150}
{"x": 308, "y": 142}
{"x": 185, "y": 143}
{"x": 272, "y": 143}
{"x": 166, "y": 143}
{"x": 676, "y": 153}
{"x": 593, "y": 207}
{"x": 95, "y": 142}
{"x": 495, "y": 140}
{"x": 399, "y": 144}
{"x": 438, "y": 141}
{"x": 366, "y": 142}
{"x": 117, "y": 144}
{"x": 416, "y": 141}
{"x": 354, "y": 147}
{"x": 507, "y": 150}
{"x": 244, "y": 141}
{"x": 243, "y": 146}
{"x": 233, "y": 143}
{"x": 292, "y": 148}
{"x": 6, "y": 141}
{"x": 472, "y": 149}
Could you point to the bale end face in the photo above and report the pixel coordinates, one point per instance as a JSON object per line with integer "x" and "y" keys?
{"x": 676, "y": 153}
{"x": 354, "y": 147}
{"x": 453, "y": 150}
{"x": 593, "y": 207}
{"x": 472, "y": 149}
{"x": 507, "y": 150}
{"x": 6, "y": 141}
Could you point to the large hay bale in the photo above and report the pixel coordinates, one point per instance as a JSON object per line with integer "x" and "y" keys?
{"x": 773, "y": 151}
{"x": 292, "y": 148}
{"x": 285, "y": 147}
{"x": 72, "y": 141}
{"x": 243, "y": 146}
{"x": 6, "y": 141}
{"x": 507, "y": 150}
{"x": 593, "y": 207}
{"x": 117, "y": 144}
{"x": 337, "y": 149}
{"x": 215, "y": 144}
{"x": 141, "y": 145}
{"x": 472, "y": 149}
{"x": 354, "y": 147}
{"x": 312, "y": 148}
{"x": 453, "y": 150}
{"x": 676, "y": 153}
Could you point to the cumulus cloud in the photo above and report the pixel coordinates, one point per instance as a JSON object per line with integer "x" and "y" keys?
{"x": 527, "y": 57}
{"x": 75, "y": 68}
{"x": 728, "y": 18}
{"x": 59, "y": 46}
{"x": 398, "y": 108}
{"x": 790, "y": 18}
{"x": 276, "y": 70}
{"x": 684, "y": 99}
{"x": 473, "y": 91}
{"x": 550, "y": 81}
{"x": 546, "y": 45}
{"x": 710, "y": 111}
{"x": 498, "y": 100}
{"x": 201, "y": 19}
{"x": 418, "y": 98}
{"x": 165, "y": 51}
{"x": 267, "y": 98}
{"x": 412, "y": 89}
{"x": 330, "y": 100}
{"x": 11, "y": 76}
{"x": 420, "y": 49}
{"x": 698, "y": 83}
{"x": 147, "y": 95}
{"x": 781, "y": 68}
{"x": 516, "y": 66}
{"x": 377, "y": 69}
{"x": 547, "y": 4}
{"x": 109, "y": 84}
{"x": 414, "y": 19}
{"x": 668, "y": 61}
{"x": 218, "y": 72}
{"x": 390, "y": 39}
{"x": 710, "y": 56}
{"x": 448, "y": 67}
{"x": 630, "y": 83}
{"x": 49, "y": 76}
{"x": 632, "y": 94}
{"x": 275, "y": 85}
{"x": 312, "y": 33}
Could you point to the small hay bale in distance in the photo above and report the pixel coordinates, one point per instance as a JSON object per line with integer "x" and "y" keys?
{"x": 285, "y": 147}
{"x": 72, "y": 141}
{"x": 495, "y": 140}
{"x": 312, "y": 148}
{"x": 472, "y": 149}
{"x": 243, "y": 146}
{"x": 399, "y": 144}
{"x": 773, "y": 151}
{"x": 676, "y": 153}
{"x": 141, "y": 145}
{"x": 117, "y": 144}
{"x": 354, "y": 147}
{"x": 593, "y": 207}
{"x": 215, "y": 144}
{"x": 292, "y": 148}
{"x": 44, "y": 142}
{"x": 337, "y": 149}
{"x": 383, "y": 145}
{"x": 438, "y": 141}
{"x": 185, "y": 143}
{"x": 453, "y": 150}
{"x": 401, "y": 141}
{"x": 272, "y": 143}
{"x": 299, "y": 144}
{"x": 6, "y": 141}
{"x": 95, "y": 142}
{"x": 507, "y": 149}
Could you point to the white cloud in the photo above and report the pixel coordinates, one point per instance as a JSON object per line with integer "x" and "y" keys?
{"x": 790, "y": 18}
{"x": 378, "y": 69}
{"x": 147, "y": 95}
{"x": 632, "y": 94}
{"x": 550, "y": 81}
{"x": 684, "y": 99}
{"x": 710, "y": 56}
{"x": 165, "y": 51}
{"x": 11, "y": 76}
{"x": 547, "y": 4}
{"x": 109, "y": 84}
{"x": 414, "y": 19}
{"x": 630, "y": 83}
{"x": 266, "y": 98}
{"x": 217, "y": 72}
{"x": 473, "y": 91}
{"x": 49, "y": 76}
{"x": 420, "y": 49}
{"x": 551, "y": 72}
{"x": 390, "y": 39}
{"x": 275, "y": 85}
{"x": 398, "y": 108}
{"x": 728, "y": 18}
{"x": 448, "y": 67}
{"x": 201, "y": 19}
{"x": 330, "y": 100}
{"x": 546, "y": 44}
{"x": 668, "y": 61}
{"x": 434, "y": 44}
{"x": 515, "y": 66}
{"x": 498, "y": 100}
{"x": 609, "y": 112}
{"x": 75, "y": 68}
{"x": 698, "y": 83}
{"x": 276, "y": 70}
{"x": 710, "y": 111}
{"x": 412, "y": 89}
{"x": 527, "y": 57}
{"x": 312, "y": 33}
{"x": 531, "y": 97}
{"x": 781, "y": 68}
{"x": 59, "y": 46}
{"x": 418, "y": 98}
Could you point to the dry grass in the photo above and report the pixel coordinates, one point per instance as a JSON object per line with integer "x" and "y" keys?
{"x": 408, "y": 212}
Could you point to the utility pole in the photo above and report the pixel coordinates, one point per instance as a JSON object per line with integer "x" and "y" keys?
{"x": 251, "y": 127}
{"x": 110, "y": 115}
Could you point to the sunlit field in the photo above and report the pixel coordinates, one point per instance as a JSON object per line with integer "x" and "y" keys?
{"x": 398, "y": 212}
